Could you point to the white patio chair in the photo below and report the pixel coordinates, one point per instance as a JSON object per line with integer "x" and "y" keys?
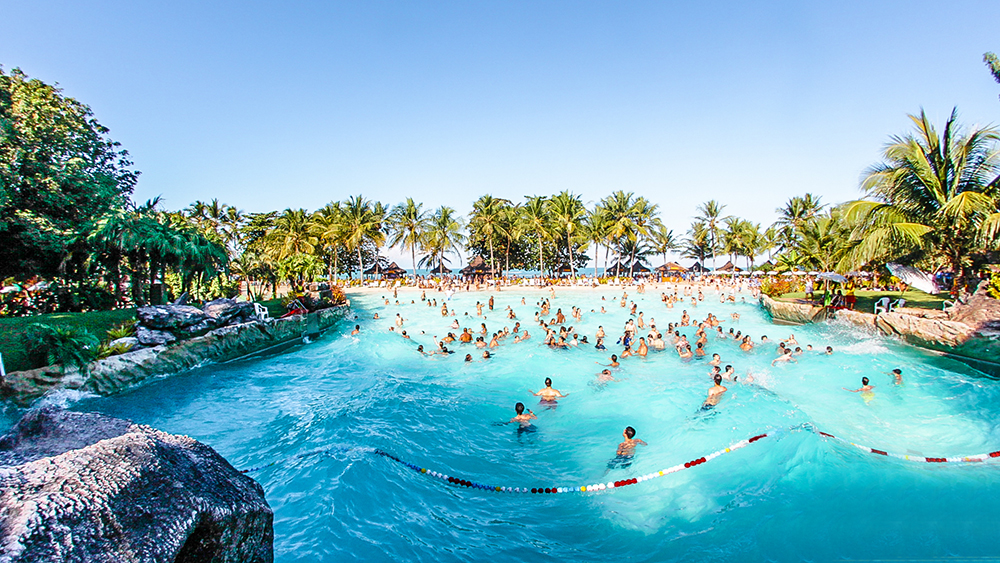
{"x": 882, "y": 305}
{"x": 260, "y": 312}
{"x": 897, "y": 304}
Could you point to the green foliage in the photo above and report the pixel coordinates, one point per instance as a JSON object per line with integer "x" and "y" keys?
{"x": 993, "y": 63}
{"x": 994, "y": 288}
{"x": 59, "y": 172}
{"x": 60, "y": 345}
{"x": 107, "y": 349}
{"x": 123, "y": 330}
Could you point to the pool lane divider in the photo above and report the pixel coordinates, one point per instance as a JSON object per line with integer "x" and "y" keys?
{"x": 977, "y": 458}
{"x": 597, "y": 487}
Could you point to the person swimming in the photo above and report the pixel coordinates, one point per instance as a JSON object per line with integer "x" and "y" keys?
{"x": 625, "y": 452}
{"x": 714, "y": 394}
{"x": 357, "y": 329}
{"x": 866, "y": 390}
{"x": 523, "y": 419}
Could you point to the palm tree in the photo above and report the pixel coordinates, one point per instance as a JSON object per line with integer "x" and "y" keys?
{"x": 697, "y": 244}
{"x": 794, "y": 214}
{"x": 619, "y": 210}
{"x": 327, "y": 225}
{"x": 362, "y": 223}
{"x": 597, "y": 226}
{"x": 535, "y": 219}
{"x": 663, "y": 240}
{"x": 567, "y": 213}
{"x": 291, "y": 234}
{"x": 407, "y": 225}
{"x": 486, "y": 222}
{"x": 643, "y": 219}
{"x": 710, "y": 215}
{"x": 933, "y": 196}
{"x": 444, "y": 235}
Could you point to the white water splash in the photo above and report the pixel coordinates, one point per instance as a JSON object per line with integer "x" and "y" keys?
{"x": 63, "y": 398}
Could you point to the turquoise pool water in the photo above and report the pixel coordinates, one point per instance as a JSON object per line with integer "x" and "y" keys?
{"x": 798, "y": 496}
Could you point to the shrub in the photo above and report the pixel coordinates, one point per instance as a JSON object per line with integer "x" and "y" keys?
{"x": 67, "y": 346}
{"x": 123, "y": 330}
{"x": 776, "y": 287}
{"x": 106, "y": 349}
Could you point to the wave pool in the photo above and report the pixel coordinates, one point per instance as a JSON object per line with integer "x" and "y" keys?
{"x": 795, "y": 496}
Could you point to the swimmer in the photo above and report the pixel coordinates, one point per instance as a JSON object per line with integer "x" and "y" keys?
{"x": 486, "y": 355}
{"x": 404, "y": 335}
{"x": 786, "y": 356}
{"x": 614, "y": 361}
{"x": 829, "y": 350}
{"x": 643, "y": 349}
{"x": 357, "y": 329}
{"x": 548, "y": 395}
{"x": 898, "y": 375}
{"x": 468, "y": 357}
{"x": 454, "y": 323}
{"x": 375, "y": 317}
{"x": 605, "y": 376}
{"x": 521, "y": 418}
{"x": 600, "y": 344}
{"x": 865, "y": 387}
{"x": 716, "y": 360}
{"x": 714, "y": 394}
{"x": 627, "y": 448}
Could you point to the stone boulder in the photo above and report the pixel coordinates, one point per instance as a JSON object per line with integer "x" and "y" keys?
{"x": 129, "y": 343}
{"x": 169, "y": 317}
{"x": 150, "y": 337}
{"x": 229, "y": 311}
{"x": 793, "y": 312}
{"x": 981, "y": 312}
{"x": 83, "y": 487}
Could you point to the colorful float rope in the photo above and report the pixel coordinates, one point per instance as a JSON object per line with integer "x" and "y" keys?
{"x": 597, "y": 487}
{"x": 922, "y": 459}
{"x": 578, "y": 488}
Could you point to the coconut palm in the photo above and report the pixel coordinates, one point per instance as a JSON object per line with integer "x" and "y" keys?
{"x": 794, "y": 214}
{"x": 362, "y": 224}
{"x": 327, "y": 225}
{"x": 619, "y": 212}
{"x": 535, "y": 220}
{"x": 567, "y": 212}
{"x": 291, "y": 234}
{"x": 407, "y": 226}
{"x": 698, "y": 243}
{"x": 444, "y": 235}
{"x": 932, "y": 197}
{"x": 663, "y": 240}
{"x": 597, "y": 226}
{"x": 710, "y": 215}
{"x": 486, "y": 222}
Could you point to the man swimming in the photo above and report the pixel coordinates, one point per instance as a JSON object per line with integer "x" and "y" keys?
{"x": 627, "y": 448}
{"x": 865, "y": 390}
{"x": 523, "y": 419}
{"x": 357, "y": 329}
{"x": 714, "y": 394}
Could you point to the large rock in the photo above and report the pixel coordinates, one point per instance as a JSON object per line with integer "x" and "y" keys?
{"x": 150, "y": 337}
{"x": 170, "y": 317}
{"x": 228, "y": 311}
{"x": 793, "y": 312}
{"x": 981, "y": 312}
{"x": 89, "y": 488}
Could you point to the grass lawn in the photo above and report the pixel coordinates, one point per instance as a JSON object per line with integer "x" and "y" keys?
{"x": 867, "y": 299}
{"x": 13, "y": 329}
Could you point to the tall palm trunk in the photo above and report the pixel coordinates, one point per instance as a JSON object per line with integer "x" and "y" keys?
{"x": 572, "y": 266}
{"x": 540, "y": 254}
{"x": 361, "y": 265}
{"x": 413, "y": 255}
{"x": 492, "y": 260}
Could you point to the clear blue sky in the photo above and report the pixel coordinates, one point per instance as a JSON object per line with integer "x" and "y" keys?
{"x": 295, "y": 104}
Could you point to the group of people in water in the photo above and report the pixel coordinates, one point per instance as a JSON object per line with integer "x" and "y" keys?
{"x": 560, "y": 335}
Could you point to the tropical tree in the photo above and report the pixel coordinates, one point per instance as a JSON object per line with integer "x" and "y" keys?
{"x": 362, "y": 224}
{"x": 794, "y": 214}
{"x": 535, "y": 219}
{"x": 698, "y": 243}
{"x": 444, "y": 236}
{"x": 933, "y": 197}
{"x": 408, "y": 225}
{"x": 710, "y": 216}
{"x": 663, "y": 240}
{"x": 597, "y": 227}
{"x": 327, "y": 226}
{"x": 59, "y": 173}
{"x": 567, "y": 212}
{"x": 487, "y": 222}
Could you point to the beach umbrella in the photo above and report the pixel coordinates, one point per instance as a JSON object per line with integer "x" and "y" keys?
{"x": 832, "y": 276}
{"x": 914, "y": 278}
